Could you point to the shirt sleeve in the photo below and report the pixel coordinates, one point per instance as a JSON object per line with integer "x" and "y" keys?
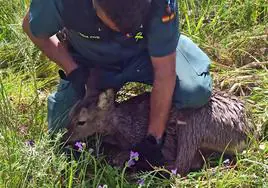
{"x": 163, "y": 35}
{"x": 45, "y": 19}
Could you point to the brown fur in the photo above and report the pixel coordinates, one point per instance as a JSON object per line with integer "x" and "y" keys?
{"x": 220, "y": 126}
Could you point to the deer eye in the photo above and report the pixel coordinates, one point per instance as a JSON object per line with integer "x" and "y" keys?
{"x": 81, "y": 123}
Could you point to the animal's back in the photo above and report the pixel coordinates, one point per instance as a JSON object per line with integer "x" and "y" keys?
{"x": 219, "y": 123}
{"x": 222, "y": 118}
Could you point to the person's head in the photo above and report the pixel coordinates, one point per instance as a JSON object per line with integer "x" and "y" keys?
{"x": 125, "y": 16}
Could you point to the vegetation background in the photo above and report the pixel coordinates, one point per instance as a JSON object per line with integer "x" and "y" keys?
{"x": 233, "y": 33}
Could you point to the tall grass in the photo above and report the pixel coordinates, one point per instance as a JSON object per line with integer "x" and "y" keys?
{"x": 232, "y": 32}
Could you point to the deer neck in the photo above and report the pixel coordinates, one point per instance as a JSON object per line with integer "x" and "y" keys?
{"x": 110, "y": 123}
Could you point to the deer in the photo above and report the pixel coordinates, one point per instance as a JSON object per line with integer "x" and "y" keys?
{"x": 220, "y": 126}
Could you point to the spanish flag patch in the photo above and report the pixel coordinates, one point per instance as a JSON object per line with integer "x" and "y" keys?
{"x": 168, "y": 18}
{"x": 170, "y": 10}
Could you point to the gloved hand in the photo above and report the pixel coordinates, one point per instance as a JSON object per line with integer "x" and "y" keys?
{"x": 149, "y": 149}
{"x": 77, "y": 78}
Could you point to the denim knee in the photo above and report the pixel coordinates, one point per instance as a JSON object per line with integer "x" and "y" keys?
{"x": 194, "y": 93}
{"x": 59, "y": 105}
{"x": 194, "y": 83}
{"x": 200, "y": 93}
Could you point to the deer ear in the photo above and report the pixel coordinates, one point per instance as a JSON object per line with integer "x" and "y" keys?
{"x": 106, "y": 99}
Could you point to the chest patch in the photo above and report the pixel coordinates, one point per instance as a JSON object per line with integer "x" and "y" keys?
{"x": 92, "y": 37}
{"x": 139, "y": 36}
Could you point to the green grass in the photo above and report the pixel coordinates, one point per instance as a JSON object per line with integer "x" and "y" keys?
{"x": 232, "y": 32}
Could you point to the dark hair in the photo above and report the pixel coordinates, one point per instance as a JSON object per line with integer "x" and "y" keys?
{"x": 128, "y": 15}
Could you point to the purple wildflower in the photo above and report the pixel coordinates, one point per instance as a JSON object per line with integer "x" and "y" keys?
{"x": 130, "y": 163}
{"x": 30, "y": 143}
{"x": 174, "y": 171}
{"x": 141, "y": 182}
{"x": 134, "y": 156}
{"x": 79, "y": 146}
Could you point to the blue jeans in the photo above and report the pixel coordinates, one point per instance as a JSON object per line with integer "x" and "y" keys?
{"x": 193, "y": 84}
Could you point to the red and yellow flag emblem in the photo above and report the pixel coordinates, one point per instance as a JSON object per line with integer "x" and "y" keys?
{"x": 167, "y": 18}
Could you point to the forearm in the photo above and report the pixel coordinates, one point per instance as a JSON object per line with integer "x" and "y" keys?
{"x": 161, "y": 100}
{"x": 52, "y": 48}
{"x": 162, "y": 93}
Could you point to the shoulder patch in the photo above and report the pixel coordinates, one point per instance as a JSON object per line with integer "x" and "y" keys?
{"x": 170, "y": 11}
{"x": 167, "y": 18}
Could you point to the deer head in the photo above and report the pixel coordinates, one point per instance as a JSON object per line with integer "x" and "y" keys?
{"x": 91, "y": 115}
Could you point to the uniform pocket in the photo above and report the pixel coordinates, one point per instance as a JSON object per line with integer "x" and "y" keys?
{"x": 198, "y": 60}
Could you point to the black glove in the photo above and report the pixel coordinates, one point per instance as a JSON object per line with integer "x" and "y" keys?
{"x": 149, "y": 149}
{"x": 78, "y": 79}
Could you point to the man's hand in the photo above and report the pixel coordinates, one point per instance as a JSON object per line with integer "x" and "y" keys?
{"x": 77, "y": 78}
{"x": 149, "y": 150}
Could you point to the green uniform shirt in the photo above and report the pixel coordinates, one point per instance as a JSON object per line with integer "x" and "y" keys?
{"x": 161, "y": 37}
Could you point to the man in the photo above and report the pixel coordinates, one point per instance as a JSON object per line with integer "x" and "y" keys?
{"x": 132, "y": 40}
